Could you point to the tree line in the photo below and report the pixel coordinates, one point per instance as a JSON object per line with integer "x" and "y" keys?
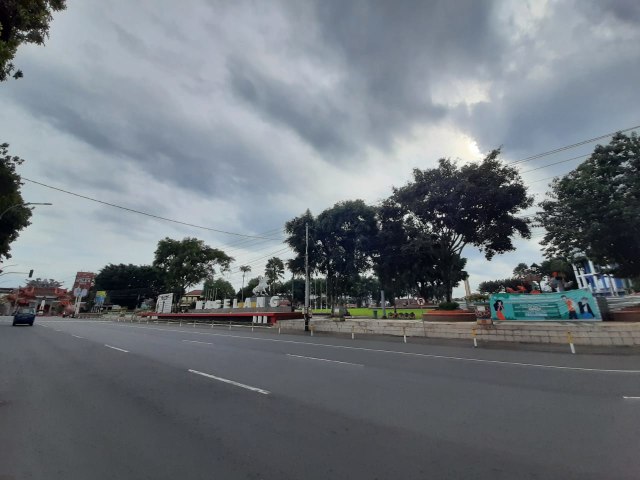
{"x": 414, "y": 239}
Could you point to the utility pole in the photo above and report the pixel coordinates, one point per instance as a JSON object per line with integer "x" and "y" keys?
{"x": 306, "y": 278}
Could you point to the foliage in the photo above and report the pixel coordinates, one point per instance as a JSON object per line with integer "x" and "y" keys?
{"x": 14, "y": 217}
{"x": 187, "y": 262}
{"x": 218, "y": 289}
{"x": 521, "y": 270}
{"x": 496, "y": 286}
{"x": 247, "y": 291}
{"x": 448, "y": 306}
{"x": 23, "y": 21}
{"x": 44, "y": 283}
{"x": 409, "y": 258}
{"x": 364, "y": 288}
{"x": 593, "y": 210}
{"x": 127, "y": 285}
{"x": 559, "y": 268}
{"x": 478, "y": 297}
{"x": 284, "y": 289}
{"x": 274, "y": 271}
{"x": 446, "y": 208}
{"x": 340, "y": 243}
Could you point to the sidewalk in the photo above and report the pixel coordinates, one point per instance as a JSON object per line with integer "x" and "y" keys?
{"x": 604, "y": 334}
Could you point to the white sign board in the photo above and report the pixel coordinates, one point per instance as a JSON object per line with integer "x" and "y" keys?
{"x": 163, "y": 305}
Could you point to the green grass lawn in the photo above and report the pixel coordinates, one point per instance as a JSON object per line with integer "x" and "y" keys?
{"x": 368, "y": 312}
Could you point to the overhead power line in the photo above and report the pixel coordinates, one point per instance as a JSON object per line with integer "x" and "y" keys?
{"x": 573, "y": 145}
{"x": 555, "y": 163}
{"x": 157, "y": 217}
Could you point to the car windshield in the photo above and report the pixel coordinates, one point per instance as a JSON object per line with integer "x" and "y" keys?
{"x": 27, "y": 310}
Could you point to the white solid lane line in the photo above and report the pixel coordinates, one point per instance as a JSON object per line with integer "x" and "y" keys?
{"x": 631, "y": 398}
{"x": 116, "y": 348}
{"x": 77, "y": 336}
{"x": 396, "y": 352}
{"x": 325, "y": 360}
{"x": 231, "y": 382}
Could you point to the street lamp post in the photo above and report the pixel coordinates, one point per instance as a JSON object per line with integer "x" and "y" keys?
{"x": 22, "y": 205}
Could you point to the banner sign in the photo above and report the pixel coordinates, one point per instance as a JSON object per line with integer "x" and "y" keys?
{"x": 84, "y": 280}
{"x": 100, "y": 297}
{"x": 573, "y": 305}
{"x": 163, "y": 305}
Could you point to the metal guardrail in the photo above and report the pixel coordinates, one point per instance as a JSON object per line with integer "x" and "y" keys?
{"x": 133, "y": 318}
{"x": 619, "y": 303}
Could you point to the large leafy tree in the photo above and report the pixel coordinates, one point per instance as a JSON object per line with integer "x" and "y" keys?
{"x": 409, "y": 259}
{"x": 244, "y": 269}
{"x": 341, "y": 241}
{"x": 593, "y": 210}
{"x": 44, "y": 283}
{"x": 452, "y": 206}
{"x": 23, "y": 21}
{"x": 364, "y": 288}
{"x": 274, "y": 271}
{"x": 128, "y": 284}
{"x": 13, "y": 215}
{"x": 187, "y": 262}
{"x": 219, "y": 289}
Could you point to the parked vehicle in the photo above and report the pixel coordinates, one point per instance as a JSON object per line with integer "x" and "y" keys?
{"x": 24, "y": 315}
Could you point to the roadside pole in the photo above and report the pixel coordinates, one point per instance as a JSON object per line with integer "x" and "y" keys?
{"x": 306, "y": 279}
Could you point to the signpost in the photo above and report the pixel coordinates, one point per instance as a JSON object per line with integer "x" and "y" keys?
{"x": 79, "y": 293}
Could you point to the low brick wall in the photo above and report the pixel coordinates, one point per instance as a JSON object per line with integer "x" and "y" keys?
{"x": 591, "y": 333}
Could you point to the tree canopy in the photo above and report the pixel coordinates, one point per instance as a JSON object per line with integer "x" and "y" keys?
{"x": 13, "y": 215}
{"x": 44, "y": 283}
{"x": 432, "y": 218}
{"x": 187, "y": 262}
{"x": 593, "y": 210}
{"x": 126, "y": 285}
{"x": 23, "y": 21}
{"x": 341, "y": 239}
{"x": 218, "y": 289}
{"x": 274, "y": 271}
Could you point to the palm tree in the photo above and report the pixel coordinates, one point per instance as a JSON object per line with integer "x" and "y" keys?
{"x": 274, "y": 271}
{"x": 244, "y": 269}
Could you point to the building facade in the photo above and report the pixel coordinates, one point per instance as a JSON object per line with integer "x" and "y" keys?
{"x": 597, "y": 281}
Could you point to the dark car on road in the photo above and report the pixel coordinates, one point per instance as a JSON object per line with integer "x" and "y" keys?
{"x": 24, "y": 315}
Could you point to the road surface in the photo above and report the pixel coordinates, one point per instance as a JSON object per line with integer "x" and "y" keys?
{"x": 102, "y": 400}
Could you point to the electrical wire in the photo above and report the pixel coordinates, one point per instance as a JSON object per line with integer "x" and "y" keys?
{"x": 132, "y": 210}
{"x": 573, "y": 145}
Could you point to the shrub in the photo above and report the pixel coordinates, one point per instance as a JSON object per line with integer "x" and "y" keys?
{"x": 448, "y": 306}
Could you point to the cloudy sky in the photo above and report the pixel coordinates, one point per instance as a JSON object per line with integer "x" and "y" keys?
{"x": 237, "y": 116}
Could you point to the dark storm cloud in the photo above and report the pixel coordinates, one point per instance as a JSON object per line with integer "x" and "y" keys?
{"x": 387, "y": 55}
{"x": 317, "y": 120}
{"x": 122, "y": 117}
{"x": 574, "y": 80}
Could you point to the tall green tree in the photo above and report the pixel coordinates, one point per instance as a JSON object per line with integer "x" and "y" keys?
{"x": 188, "y": 262}
{"x": 247, "y": 291}
{"x": 593, "y": 210}
{"x": 23, "y": 21}
{"x": 521, "y": 270}
{"x": 410, "y": 259}
{"x": 44, "y": 283}
{"x": 14, "y": 216}
{"x": 452, "y": 206}
{"x": 244, "y": 269}
{"x": 341, "y": 241}
{"x": 128, "y": 285}
{"x": 218, "y": 289}
{"x": 274, "y": 271}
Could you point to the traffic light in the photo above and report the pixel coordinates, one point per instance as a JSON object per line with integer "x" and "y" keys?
{"x": 30, "y": 273}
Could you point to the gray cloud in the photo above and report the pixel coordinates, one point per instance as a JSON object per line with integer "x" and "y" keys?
{"x": 240, "y": 115}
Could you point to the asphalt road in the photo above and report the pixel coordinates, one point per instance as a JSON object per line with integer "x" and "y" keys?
{"x": 101, "y": 400}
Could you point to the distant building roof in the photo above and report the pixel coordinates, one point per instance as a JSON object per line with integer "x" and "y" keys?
{"x": 193, "y": 293}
